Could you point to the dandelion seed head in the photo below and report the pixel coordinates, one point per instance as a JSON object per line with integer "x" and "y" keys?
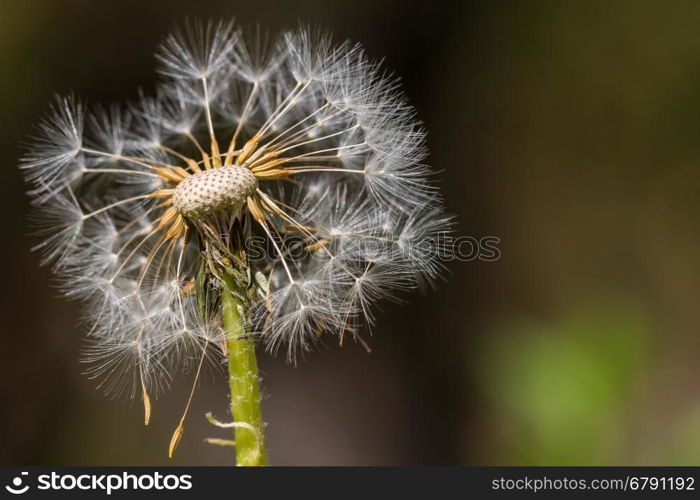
{"x": 146, "y": 210}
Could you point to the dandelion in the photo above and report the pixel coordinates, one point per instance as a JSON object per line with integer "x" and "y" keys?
{"x": 267, "y": 192}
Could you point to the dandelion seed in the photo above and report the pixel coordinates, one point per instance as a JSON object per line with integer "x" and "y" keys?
{"x": 147, "y": 211}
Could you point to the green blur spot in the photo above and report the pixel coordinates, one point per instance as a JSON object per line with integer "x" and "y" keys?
{"x": 563, "y": 391}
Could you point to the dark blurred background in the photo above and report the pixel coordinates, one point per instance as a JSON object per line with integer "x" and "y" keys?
{"x": 570, "y": 130}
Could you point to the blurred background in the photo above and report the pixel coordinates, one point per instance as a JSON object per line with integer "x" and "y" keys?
{"x": 569, "y": 130}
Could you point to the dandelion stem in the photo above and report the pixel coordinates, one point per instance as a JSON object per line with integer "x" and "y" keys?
{"x": 243, "y": 382}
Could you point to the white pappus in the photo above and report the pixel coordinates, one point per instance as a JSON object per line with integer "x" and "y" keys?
{"x": 303, "y": 145}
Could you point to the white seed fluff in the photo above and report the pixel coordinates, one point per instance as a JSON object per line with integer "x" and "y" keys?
{"x": 141, "y": 207}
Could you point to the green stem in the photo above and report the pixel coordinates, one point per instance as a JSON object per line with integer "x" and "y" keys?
{"x": 244, "y": 383}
